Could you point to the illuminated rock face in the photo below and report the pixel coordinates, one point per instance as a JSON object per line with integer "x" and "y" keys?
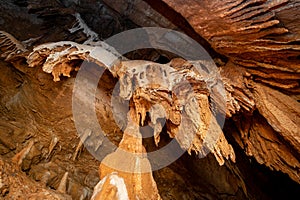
{"x": 256, "y": 47}
{"x": 130, "y": 163}
{"x": 263, "y": 67}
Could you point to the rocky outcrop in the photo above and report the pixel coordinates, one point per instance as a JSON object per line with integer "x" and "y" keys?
{"x": 255, "y": 45}
{"x": 261, "y": 42}
{"x": 14, "y": 184}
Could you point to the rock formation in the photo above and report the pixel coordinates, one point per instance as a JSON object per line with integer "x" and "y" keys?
{"x": 255, "y": 45}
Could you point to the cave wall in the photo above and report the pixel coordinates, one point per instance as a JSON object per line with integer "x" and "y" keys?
{"x": 34, "y": 108}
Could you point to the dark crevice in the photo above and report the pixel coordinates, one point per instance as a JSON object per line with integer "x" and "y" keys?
{"x": 262, "y": 182}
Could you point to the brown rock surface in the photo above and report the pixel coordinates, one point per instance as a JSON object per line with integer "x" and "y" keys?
{"x": 262, "y": 46}
{"x": 255, "y": 45}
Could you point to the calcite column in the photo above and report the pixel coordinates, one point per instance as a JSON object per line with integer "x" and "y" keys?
{"x": 126, "y": 173}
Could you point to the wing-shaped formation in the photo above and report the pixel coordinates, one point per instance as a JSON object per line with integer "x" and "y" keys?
{"x": 137, "y": 80}
{"x": 11, "y": 46}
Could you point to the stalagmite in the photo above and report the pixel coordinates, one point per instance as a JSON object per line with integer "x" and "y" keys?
{"x": 52, "y": 145}
{"x": 129, "y": 162}
{"x": 86, "y": 134}
{"x": 19, "y": 157}
{"x": 62, "y": 188}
